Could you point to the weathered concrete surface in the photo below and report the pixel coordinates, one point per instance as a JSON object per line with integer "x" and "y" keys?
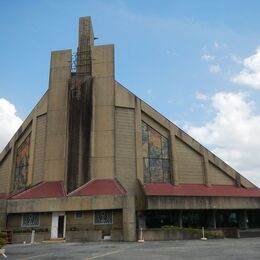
{"x": 65, "y": 204}
{"x": 2, "y": 214}
{"x": 236, "y": 249}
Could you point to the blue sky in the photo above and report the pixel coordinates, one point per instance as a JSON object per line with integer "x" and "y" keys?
{"x": 196, "y": 62}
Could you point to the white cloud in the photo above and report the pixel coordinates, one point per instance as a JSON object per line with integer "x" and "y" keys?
{"x": 234, "y": 133}
{"x": 215, "y": 68}
{"x": 250, "y": 74}
{"x": 207, "y": 57}
{"x": 236, "y": 59}
{"x": 9, "y": 122}
{"x": 216, "y": 45}
{"x": 201, "y": 96}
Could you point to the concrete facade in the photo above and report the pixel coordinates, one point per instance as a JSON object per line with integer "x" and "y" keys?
{"x": 89, "y": 127}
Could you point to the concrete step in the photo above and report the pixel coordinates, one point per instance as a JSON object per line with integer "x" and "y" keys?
{"x": 56, "y": 240}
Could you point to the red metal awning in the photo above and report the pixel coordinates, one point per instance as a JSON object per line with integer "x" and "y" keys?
{"x": 97, "y": 187}
{"x": 42, "y": 190}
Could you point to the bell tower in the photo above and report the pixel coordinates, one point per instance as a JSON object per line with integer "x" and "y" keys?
{"x": 80, "y": 109}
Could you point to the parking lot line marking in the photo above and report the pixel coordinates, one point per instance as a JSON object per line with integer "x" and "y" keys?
{"x": 109, "y": 253}
{"x": 36, "y": 256}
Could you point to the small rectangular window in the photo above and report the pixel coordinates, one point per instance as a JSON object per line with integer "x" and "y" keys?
{"x": 31, "y": 220}
{"x": 78, "y": 214}
{"x": 103, "y": 217}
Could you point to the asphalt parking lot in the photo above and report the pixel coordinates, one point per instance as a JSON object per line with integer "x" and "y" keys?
{"x": 247, "y": 248}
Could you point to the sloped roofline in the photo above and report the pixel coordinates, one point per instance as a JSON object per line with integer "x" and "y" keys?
{"x": 182, "y": 131}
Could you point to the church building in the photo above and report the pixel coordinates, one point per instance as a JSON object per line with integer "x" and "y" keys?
{"x": 93, "y": 161}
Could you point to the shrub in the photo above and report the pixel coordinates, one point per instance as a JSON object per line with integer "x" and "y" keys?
{"x": 208, "y": 233}
{"x": 214, "y": 234}
{"x": 2, "y": 239}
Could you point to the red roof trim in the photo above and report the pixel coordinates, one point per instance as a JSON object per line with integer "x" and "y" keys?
{"x": 97, "y": 187}
{"x": 198, "y": 190}
{"x": 52, "y": 189}
{"x": 3, "y": 195}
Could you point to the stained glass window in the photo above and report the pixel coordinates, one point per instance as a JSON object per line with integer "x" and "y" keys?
{"x": 155, "y": 155}
{"x": 22, "y": 163}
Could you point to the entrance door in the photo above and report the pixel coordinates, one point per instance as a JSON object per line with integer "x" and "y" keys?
{"x": 58, "y": 225}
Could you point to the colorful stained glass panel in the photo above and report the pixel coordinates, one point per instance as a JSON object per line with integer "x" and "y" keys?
{"x": 146, "y": 171}
{"x": 165, "y": 148}
{"x": 156, "y": 155}
{"x": 156, "y": 170}
{"x": 155, "y": 149}
{"x": 166, "y": 170}
{"x": 22, "y": 162}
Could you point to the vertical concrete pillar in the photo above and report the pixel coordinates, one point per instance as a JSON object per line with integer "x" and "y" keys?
{"x": 211, "y": 219}
{"x": 129, "y": 218}
{"x": 2, "y": 220}
{"x": 32, "y": 148}
{"x": 242, "y": 219}
{"x": 56, "y": 131}
{"x": 173, "y": 150}
{"x": 206, "y": 167}
{"x": 103, "y": 130}
{"x": 3, "y": 215}
{"x": 180, "y": 218}
{"x": 138, "y": 141}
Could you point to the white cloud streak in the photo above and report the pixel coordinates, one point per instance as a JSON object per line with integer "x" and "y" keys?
{"x": 234, "y": 133}
{"x": 9, "y": 122}
{"x": 250, "y": 74}
{"x": 201, "y": 96}
{"x": 216, "y": 45}
{"x": 215, "y": 68}
{"x": 207, "y": 57}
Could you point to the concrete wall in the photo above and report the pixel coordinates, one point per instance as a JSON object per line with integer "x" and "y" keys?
{"x": 90, "y": 235}
{"x": 160, "y": 234}
{"x": 125, "y": 148}
{"x": 56, "y": 131}
{"x": 190, "y": 164}
{"x": 102, "y": 151}
{"x": 15, "y": 222}
{"x": 65, "y": 204}
{"x": 38, "y": 167}
{"x": 26, "y": 237}
{"x": 216, "y": 176}
{"x": 86, "y": 222}
{"x": 5, "y": 173}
